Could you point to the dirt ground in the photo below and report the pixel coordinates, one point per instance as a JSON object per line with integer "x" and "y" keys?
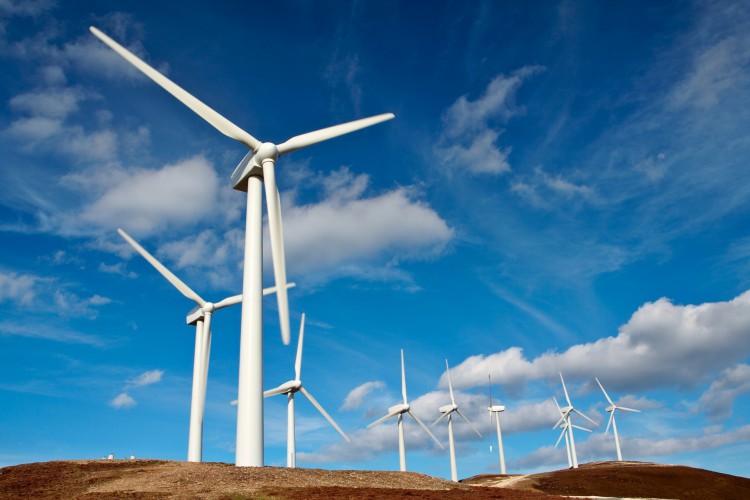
{"x": 141, "y": 479}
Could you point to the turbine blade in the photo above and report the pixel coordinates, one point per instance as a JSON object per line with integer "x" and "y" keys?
{"x": 450, "y": 384}
{"x": 605, "y": 392}
{"x": 584, "y": 416}
{"x": 229, "y": 301}
{"x": 272, "y": 289}
{"x": 324, "y": 413}
{"x": 382, "y": 419}
{"x": 560, "y": 438}
{"x": 609, "y": 422}
{"x": 403, "y": 377}
{"x": 310, "y": 138}
{"x": 441, "y": 417}
{"x": 627, "y": 409}
{"x": 556, "y": 404}
{"x": 580, "y": 428}
{"x": 489, "y": 378}
{"x": 277, "y": 247}
{"x": 298, "y": 361}
{"x": 469, "y": 422}
{"x": 176, "y": 282}
{"x": 559, "y": 422}
{"x": 212, "y": 117}
{"x": 426, "y": 429}
{"x": 565, "y": 389}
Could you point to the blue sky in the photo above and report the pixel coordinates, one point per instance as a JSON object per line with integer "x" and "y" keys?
{"x": 564, "y": 188}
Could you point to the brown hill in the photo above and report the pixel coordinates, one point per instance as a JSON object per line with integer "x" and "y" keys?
{"x": 140, "y": 479}
{"x": 629, "y": 480}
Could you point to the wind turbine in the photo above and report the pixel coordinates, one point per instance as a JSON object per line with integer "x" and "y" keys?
{"x": 447, "y": 411}
{"x": 495, "y": 410}
{"x": 565, "y": 414}
{"x": 611, "y": 409}
{"x": 255, "y": 170}
{"x": 564, "y": 432}
{"x": 399, "y": 410}
{"x": 200, "y": 316}
{"x": 289, "y": 388}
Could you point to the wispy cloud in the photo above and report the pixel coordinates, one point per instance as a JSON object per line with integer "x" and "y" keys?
{"x": 122, "y": 401}
{"x": 146, "y": 378}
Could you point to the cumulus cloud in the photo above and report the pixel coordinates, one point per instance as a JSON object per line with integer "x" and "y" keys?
{"x": 122, "y": 401}
{"x": 146, "y": 378}
{"x": 470, "y": 134}
{"x": 19, "y": 288}
{"x": 662, "y": 345}
{"x": 350, "y": 233}
{"x": 718, "y": 400}
{"x": 356, "y": 396}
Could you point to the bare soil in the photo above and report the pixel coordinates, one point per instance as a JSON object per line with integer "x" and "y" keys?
{"x": 141, "y": 479}
{"x": 627, "y": 480}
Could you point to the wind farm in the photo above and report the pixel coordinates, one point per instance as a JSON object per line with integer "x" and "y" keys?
{"x": 532, "y": 204}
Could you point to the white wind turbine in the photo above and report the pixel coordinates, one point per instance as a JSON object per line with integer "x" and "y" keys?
{"x": 255, "y": 170}
{"x": 495, "y": 410}
{"x": 447, "y": 411}
{"x": 564, "y": 432}
{"x": 289, "y": 388}
{"x": 565, "y": 418}
{"x": 611, "y": 409}
{"x": 200, "y": 316}
{"x": 399, "y": 409}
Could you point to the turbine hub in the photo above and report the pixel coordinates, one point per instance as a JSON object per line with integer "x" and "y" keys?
{"x": 208, "y": 307}
{"x": 266, "y": 151}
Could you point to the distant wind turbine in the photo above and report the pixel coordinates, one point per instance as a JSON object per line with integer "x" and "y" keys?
{"x": 256, "y": 170}
{"x": 611, "y": 409}
{"x": 289, "y": 388}
{"x": 564, "y": 432}
{"x": 566, "y": 413}
{"x": 399, "y": 410}
{"x": 200, "y": 316}
{"x": 447, "y": 411}
{"x": 496, "y": 410}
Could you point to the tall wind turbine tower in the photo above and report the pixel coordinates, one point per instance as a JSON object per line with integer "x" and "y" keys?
{"x": 611, "y": 409}
{"x": 255, "y": 171}
{"x": 290, "y": 388}
{"x": 495, "y": 411}
{"x": 447, "y": 412}
{"x": 399, "y": 410}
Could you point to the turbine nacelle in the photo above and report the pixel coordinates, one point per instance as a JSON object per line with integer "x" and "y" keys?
{"x": 610, "y": 408}
{"x": 496, "y": 408}
{"x": 399, "y": 408}
{"x": 252, "y": 164}
{"x": 448, "y": 408}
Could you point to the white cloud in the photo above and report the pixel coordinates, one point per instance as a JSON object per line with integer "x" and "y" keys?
{"x": 469, "y": 137}
{"x": 122, "y": 401}
{"x": 718, "y": 400}
{"x": 31, "y": 329}
{"x": 25, "y": 7}
{"x": 146, "y": 378}
{"x": 544, "y": 190}
{"x": 117, "y": 268}
{"x": 356, "y": 396}
{"x": 50, "y": 103}
{"x": 144, "y": 201}
{"x": 348, "y": 233}
{"x": 19, "y": 288}
{"x": 662, "y": 344}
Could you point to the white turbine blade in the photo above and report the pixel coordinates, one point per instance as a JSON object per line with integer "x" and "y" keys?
{"x": 323, "y": 412}
{"x": 609, "y": 422}
{"x": 584, "y": 416}
{"x": 469, "y": 422}
{"x": 176, "y": 282}
{"x": 561, "y": 436}
{"x": 450, "y": 385}
{"x": 403, "y": 377}
{"x": 229, "y": 301}
{"x": 627, "y": 409}
{"x": 580, "y": 428}
{"x": 426, "y": 429}
{"x": 272, "y": 289}
{"x": 310, "y": 138}
{"x": 605, "y": 392}
{"x": 559, "y": 422}
{"x": 298, "y": 361}
{"x": 565, "y": 389}
{"x": 277, "y": 247}
{"x": 382, "y": 419}
{"x": 441, "y": 417}
{"x": 282, "y": 389}
{"x": 556, "y": 404}
{"x": 212, "y": 117}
